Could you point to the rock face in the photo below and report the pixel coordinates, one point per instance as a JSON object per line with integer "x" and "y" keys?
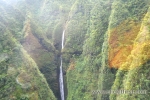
{"x": 106, "y": 47}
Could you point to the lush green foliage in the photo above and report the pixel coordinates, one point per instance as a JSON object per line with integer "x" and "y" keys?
{"x": 100, "y": 35}
{"x": 84, "y": 73}
{"x": 20, "y": 78}
{"x": 91, "y": 66}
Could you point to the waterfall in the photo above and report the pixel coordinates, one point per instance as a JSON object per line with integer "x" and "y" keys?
{"x": 61, "y": 72}
{"x": 63, "y": 35}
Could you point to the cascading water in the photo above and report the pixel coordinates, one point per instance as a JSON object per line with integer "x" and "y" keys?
{"x": 61, "y": 72}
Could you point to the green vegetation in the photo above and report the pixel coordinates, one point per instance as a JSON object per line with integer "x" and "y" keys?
{"x": 89, "y": 68}
{"x": 106, "y": 47}
{"x": 85, "y": 72}
{"x": 20, "y": 78}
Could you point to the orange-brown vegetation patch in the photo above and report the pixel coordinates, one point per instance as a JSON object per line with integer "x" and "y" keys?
{"x": 32, "y": 45}
{"x": 121, "y": 56}
{"x": 121, "y": 42}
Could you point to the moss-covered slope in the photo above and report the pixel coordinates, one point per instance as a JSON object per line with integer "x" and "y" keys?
{"x": 106, "y": 48}
{"x": 20, "y": 78}
{"x": 112, "y": 41}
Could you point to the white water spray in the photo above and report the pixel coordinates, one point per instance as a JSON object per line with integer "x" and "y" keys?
{"x": 61, "y": 72}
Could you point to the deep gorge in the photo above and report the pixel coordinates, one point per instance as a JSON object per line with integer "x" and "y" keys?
{"x": 106, "y": 47}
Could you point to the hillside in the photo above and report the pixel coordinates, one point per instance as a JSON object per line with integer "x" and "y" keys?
{"x": 106, "y": 47}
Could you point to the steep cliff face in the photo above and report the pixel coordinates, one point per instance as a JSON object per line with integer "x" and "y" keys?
{"x": 89, "y": 67}
{"x": 115, "y": 52}
{"x": 137, "y": 78}
{"x": 20, "y": 78}
{"x": 106, "y": 48}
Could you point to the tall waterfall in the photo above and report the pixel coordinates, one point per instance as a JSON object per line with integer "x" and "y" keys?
{"x": 61, "y": 72}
